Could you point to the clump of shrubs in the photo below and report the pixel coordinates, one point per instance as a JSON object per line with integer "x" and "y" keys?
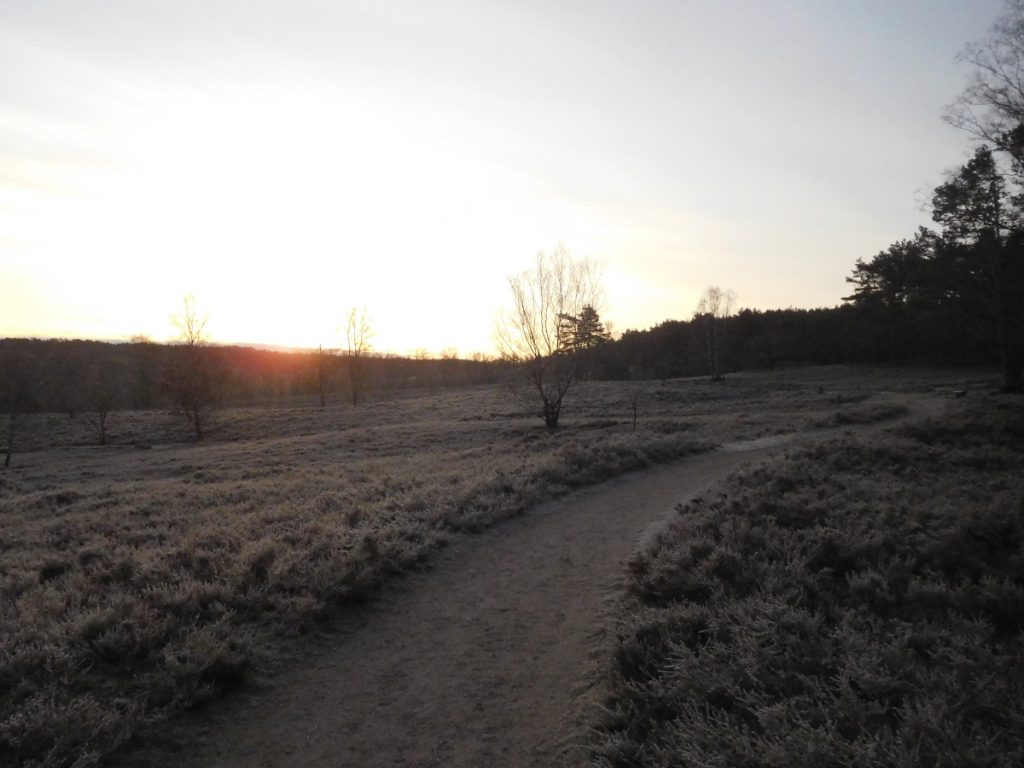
{"x": 860, "y": 602}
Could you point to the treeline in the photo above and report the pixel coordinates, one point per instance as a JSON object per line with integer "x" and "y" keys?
{"x": 72, "y": 376}
{"x": 932, "y": 298}
{"x": 950, "y": 333}
{"x": 882, "y": 324}
{"x": 912, "y": 305}
{"x": 749, "y": 340}
{"x": 956, "y": 294}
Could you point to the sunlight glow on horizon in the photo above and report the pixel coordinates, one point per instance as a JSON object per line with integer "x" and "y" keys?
{"x": 290, "y": 165}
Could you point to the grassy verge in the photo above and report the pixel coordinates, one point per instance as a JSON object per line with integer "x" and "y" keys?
{"x": 856, "y": 603}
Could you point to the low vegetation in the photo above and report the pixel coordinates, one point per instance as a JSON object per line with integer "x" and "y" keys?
{"x": 144, "y": 577}
{"x": 860, "y": 602}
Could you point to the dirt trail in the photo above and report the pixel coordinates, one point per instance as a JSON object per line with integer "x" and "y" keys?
{"x": 481, "y": 661}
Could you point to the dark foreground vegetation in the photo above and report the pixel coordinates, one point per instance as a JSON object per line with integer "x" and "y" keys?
{"x": 859, "y": 603}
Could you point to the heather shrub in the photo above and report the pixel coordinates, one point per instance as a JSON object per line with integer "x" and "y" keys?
{"x": 134, "y": 585}
{"x": 859, "y": 602}
{"x": 144, "y": 577}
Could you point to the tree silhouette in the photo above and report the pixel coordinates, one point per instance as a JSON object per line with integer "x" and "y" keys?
{"x": 102, "y": 391}
{"x": 713, "y": 309}
{"x": 534, "y": 335}
{"x": 991, "y": 107}
{"x": 975, "y": 209}
{"x": 358, "y": 335}
{"x": 577, "y": 333}
{"x": 187, "y": 378}
{"x": 888, "y": 292}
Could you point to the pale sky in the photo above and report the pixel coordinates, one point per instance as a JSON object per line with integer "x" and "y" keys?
{"x": 284, "y": 161}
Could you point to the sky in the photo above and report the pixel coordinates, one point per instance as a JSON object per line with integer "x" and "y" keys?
{"x": 285, "y": 161}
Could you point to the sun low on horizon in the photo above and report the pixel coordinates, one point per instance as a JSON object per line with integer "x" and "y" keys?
{"x": 288, "y": 162}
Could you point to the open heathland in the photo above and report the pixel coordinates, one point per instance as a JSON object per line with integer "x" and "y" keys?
{"x": 143, "y": 577}
{"x": 859, "y": 602}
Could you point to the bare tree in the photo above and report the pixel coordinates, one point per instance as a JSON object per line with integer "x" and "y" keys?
{"x": 358, "y": 335}
{"x": 713, "y": 309}
{"x": 101, "y": 393}
{"x": 187, "y": 379}
{"x": 991, "y": 107}
{"x": 532, "y": 334}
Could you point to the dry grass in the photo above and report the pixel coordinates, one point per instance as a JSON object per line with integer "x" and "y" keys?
{"x": 144, "y": 577}
{"x": 858, "y": 603}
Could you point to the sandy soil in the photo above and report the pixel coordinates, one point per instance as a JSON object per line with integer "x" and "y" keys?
{"x": 484, "y": 660}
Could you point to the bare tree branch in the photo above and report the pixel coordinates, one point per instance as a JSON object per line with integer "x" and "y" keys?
{"x": 532, "y": 335}
{"x": 358, "y": 335}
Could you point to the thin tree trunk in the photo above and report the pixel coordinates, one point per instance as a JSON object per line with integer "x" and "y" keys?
{"x": 551, "y": 413}
{"x": 320, "y": 375}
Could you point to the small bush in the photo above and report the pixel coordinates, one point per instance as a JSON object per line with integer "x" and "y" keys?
{"x": 869, "y": 414}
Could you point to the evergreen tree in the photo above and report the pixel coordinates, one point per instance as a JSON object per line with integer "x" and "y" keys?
{"x": 584, "y": 331}
{"x": 976, "y": 210}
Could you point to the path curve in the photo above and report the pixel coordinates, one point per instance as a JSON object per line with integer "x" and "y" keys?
{"x": 480, "y": 661}
{"x": 483, "y": 660}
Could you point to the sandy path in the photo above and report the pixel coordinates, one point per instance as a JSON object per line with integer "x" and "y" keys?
{"x": 480, "y": 661}
{"x": 484, "y": 660}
